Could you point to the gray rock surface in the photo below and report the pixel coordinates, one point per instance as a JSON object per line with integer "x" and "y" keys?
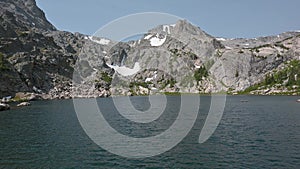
{"x": 4, "y": 106}
{"x": 22, "y": 14}
{"x": 22, "y": 104}
{"x": 36, "y": 58}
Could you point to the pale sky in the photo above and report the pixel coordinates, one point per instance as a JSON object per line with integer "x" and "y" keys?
{"x": 220, "y": 18}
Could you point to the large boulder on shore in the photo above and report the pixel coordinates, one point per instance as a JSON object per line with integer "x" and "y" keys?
{"x": 4, "y": 106}
{"x": 21, "y": 96}
{"x": 23, "y": 104}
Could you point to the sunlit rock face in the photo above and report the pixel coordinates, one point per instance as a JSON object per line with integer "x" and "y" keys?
{"x": 179, "y": 57}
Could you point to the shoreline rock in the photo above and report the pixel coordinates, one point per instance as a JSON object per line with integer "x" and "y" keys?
{"x": 23, "y": 104}
{"x": 27, "y": 96}
{"x": 4, "y": 106}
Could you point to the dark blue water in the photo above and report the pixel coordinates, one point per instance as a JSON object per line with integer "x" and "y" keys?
{"x": 261, "y": 133}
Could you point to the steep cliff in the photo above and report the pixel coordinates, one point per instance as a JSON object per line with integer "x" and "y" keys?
{"x": 32, "y": 59}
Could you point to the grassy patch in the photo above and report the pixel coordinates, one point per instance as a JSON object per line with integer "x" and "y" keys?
{"x": 18, "y": 99}
{"x": 105, "y": 77}
{"x": 172, "y": 93}
{"x": 143, "y": 84}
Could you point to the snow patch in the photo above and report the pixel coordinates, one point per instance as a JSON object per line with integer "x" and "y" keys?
{"x": 104, "y": 52}
{"x": 148, "y": 36}
{"x": 197, "y": 66}
{"x": 149, "y": 79}
{"x": 173, "y": 25}
{"x": 132, "y": 44}
{"x": 221, "y": 39}
{"x": 156, "y": 41}
{"x": 227, "y": 47}
{"x": 104, "y": 41}
{"x": 125, "y": 71}
{"x": 101, "y": 41}
{"x": 154, "y": 88}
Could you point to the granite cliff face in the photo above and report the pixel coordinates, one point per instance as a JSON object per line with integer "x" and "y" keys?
{"x": 32, "y": 57}
{"x": 22, "y": 15}
{"x": 47, "y": 63}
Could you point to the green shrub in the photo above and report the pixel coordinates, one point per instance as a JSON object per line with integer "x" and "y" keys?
{"x": 200, "y": 73}
{"x": 143, "y": 84}
{"x": 105, "y": 77}
{"x": 172, "y": 83}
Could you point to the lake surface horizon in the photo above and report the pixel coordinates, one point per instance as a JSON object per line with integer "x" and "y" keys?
{"x": 254, "y": 132}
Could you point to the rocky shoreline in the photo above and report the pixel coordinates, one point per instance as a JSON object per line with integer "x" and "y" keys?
{"x": 25, "y": 99}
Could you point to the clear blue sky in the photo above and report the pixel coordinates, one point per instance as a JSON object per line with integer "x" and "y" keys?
{"x": 222, "y": 18}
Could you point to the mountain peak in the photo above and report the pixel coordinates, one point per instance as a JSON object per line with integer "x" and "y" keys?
{"x": 187, "y": 27}
{"x": 24, "y": 14}
{"x": 181, "y": 27}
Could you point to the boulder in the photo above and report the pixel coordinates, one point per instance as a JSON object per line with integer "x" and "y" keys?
{"x": 23, "y": 104}
{"x": 6, "y": 99}
{"x": 143, "y": 90}
{"x": 4, "y": 106}
{"x": 27, "y": 96}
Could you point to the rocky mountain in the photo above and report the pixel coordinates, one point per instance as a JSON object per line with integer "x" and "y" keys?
{"x": 42, "y": 62}
{"x": 22, "y": 15}
{"x": 32, "y": 57}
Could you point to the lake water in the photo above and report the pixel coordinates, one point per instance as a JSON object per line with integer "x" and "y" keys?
{"x": 261, "y": 133}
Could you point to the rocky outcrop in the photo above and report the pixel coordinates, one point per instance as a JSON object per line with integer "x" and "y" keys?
{"x": 21, "y": 96}
{"x": 22, "y": 104}
{"x": 23, "y": 15}
{"x": 191, "y": 61}
{"x": 34, "y": 57}
{"x": 39, "y": 62}
{"x": 4, "y": 106}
